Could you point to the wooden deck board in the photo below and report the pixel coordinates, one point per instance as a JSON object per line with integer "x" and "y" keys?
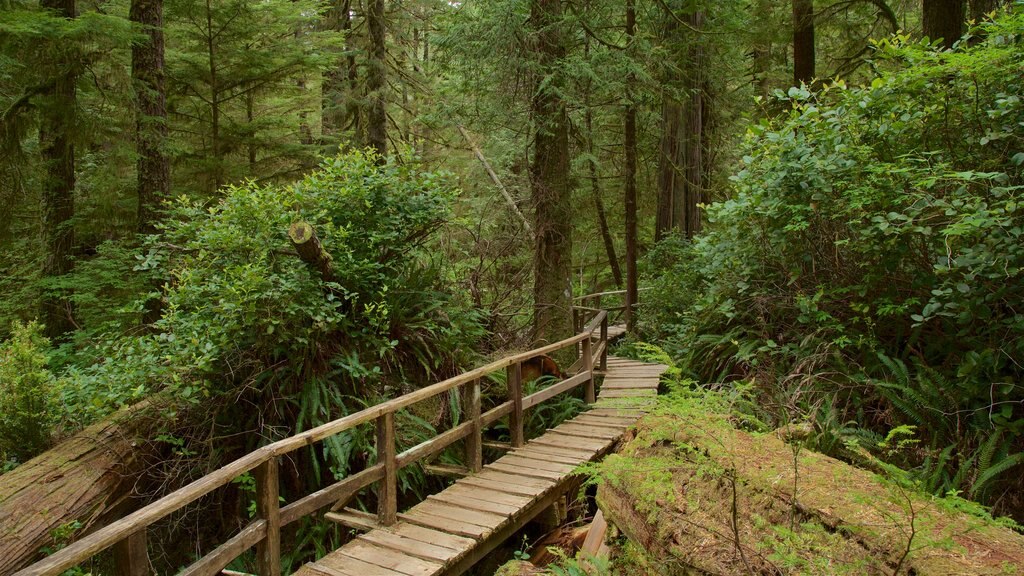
{"x": 442, "y": 534}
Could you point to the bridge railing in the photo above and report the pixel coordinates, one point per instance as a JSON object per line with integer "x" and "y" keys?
{"x": 127, "y": 537}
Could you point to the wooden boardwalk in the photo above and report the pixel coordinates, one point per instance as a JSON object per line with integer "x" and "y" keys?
{"x": 450, "y": 531}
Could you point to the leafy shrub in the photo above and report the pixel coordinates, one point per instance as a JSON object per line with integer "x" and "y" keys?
{"x": 871, "y": 223}
{"x": 28, "y": 402}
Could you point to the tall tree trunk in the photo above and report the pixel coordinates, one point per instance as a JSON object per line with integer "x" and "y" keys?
{"x": 58, "y": 186}
{"x": 352, "y": 107}
{"x": 376, "y": 81}
{"x": 669, "y": 151}
{"x": 552, "y": 199}
{"x": 803, "y": 41}
{"x": 761, "y": 53}
{"x": 688, "y": 218}
{"x": 943, "y": 19}
{"x": 215, "y": 145}
{"x": 602, "y": 215}
{"x": 630, "y": 184}
{"x": 980, "y": 8}
{"x": 153, "y": 179}
{"x": 153, "y": 168}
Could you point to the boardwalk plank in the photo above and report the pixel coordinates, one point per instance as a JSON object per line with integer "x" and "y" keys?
{"x": 456, "y": 527}
{"x": 437, "y": 537}
{"x": 370, "y": 554}
{"x": 415, "y": 548}
{"x": 469, "y": 503}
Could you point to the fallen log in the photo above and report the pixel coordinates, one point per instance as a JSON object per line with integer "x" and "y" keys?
{"x": 701, "y": 497}
{"x": 77, "y": 486}
{"x": 310, "y": 250}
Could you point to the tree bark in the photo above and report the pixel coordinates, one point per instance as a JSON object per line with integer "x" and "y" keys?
{"x": 803, "y": 41}
{"x": 58, "y": 186}
{"x": 692, "y": 144}
{"x": 153, "y": 179}
{"x": 943, "y": 19}
{"x": 552, "y": 199}
{"x": 153, "y": 168}
{"x": 630, "y": 182}
{"x": 307, "y": 244}
{"x": 602, "y": 217}
{"x": 88, "y": 478}
{"x": 376, "y": 81}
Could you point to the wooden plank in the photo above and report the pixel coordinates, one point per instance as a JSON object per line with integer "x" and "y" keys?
{"x": 445, "y": 524}
{"x": 349, "y": 564}
{"x": 515, "y": 480}
{"x": 436, "y": 537}
{"x": 436, "y": 444}
{"x": 470, "y": 491}
{"x": 557, "y": 440}
{"x": 459, "y": 514}
{"x": 370, "y": 554}
{"x": 470, "y": 503}
{"x": 588, "y": 368}
{"x": 536, "y": 463}
{"x": 471, "y": 408}
{"x": 555, "y": 390}
{"x": 575, "y": 455}
{"x": 504, "y": 487}
{"x": 585, "y": 431}
{"x": 318, "y": 569}
{"x": 595, "y": 536}
{"x": 354, "y": 519}
{"x": 526, "y": 472}
{"x": 387, "y": 491}
{"x": 559, "y": 456}
{"x": 268, "y": 498}
{"x": 514, "y": 378}
{"x": 339, "y": 493}
{"x": 607, "y": 422}
{"x": 415, "y": 548}
{"x": 131, "y": 555}
{"x": 222, "y": 555}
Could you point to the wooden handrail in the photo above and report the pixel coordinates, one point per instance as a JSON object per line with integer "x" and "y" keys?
{"x": 264, "y": 530}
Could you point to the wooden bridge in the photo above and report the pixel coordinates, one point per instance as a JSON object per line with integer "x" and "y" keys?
{"x": 449, "y": 531}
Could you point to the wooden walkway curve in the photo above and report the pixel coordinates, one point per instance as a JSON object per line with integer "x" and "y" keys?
{"x": 450, "y": 531}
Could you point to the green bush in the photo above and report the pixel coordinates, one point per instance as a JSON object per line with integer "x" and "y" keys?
{"x": 871, "y": 259}
{"x": 28, "y": 402}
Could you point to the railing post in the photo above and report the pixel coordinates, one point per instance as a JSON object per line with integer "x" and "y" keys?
{"x": 474, "y": 442}
{"x": 604, "y": 343}
{"x": 387, "y": 495}
{"x": 588, "y": 365}
{"x": 268, "y": 550}
{"x": 131, "y": 555}
{"x": 515, "y": 391}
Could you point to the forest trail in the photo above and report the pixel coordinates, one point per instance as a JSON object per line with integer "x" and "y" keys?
{"x": 450, "y": 531}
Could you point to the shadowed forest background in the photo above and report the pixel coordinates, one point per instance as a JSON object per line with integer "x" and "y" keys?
{"x": 813, "y": 204}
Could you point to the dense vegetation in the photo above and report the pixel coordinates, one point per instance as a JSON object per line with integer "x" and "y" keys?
{"x": 823, "y": 199}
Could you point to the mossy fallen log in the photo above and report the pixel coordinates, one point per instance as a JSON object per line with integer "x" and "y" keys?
{"x": 701, "y": 497}
{"x": 78, "y": 485}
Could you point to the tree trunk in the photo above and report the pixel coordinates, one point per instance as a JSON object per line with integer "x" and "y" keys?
{"x": 761, "y": 53}
{"x": 215, "y": 144}
{"x": 376, "y": 81}
{"x": 88, "y": 478}
{"x": 552, "y": 199}
{"x": 981, "y": 8}
{"x": 669, "y": 156}
{"x": 943, "y": 19}
{"x": 602, "y": 218}
{"x": 58, "y": 186}
{"x": 803, "y": 41}
{"x": 153, "y": 168}
{"x": 630, "y": 184}
{"x": 689, "y": 220}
